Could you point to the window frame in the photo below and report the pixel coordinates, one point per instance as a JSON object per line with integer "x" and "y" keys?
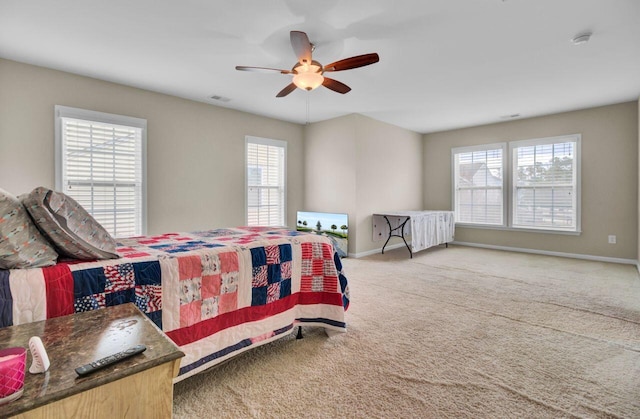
{"x": 454, "y": 204}
{"x": 509, "y": 194}
{"x": 513, "y": 147}
{"x": 272, "y": 143}
{"x": 108, "y": 118}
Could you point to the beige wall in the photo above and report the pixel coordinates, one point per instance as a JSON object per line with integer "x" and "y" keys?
{"x": 358, "y": 165}
{"x": 330, "y": 172}
{"x": 195, "y": 151}
{"x": 351, "y": 164}
{"x": 609, "y": 178}
{"x": 389, "y": 175}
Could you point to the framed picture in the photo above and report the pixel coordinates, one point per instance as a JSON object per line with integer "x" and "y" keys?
{"x": 333, "y": 225}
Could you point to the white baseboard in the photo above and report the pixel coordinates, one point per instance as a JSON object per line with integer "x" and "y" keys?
{"x": 379, "y": 250}
{"x": 549, "y": 253}
{"x": 513, "y": 249}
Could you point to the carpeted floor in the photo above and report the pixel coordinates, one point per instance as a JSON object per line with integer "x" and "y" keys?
{"x": 457, "y": 332}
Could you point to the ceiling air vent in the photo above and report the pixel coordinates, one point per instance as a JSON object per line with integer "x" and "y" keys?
{"x": 219, "y": 98}
{"x": 510, "y": 116}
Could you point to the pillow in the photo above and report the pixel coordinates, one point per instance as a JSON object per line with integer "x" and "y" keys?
{"x": 21, "y": 244}
{"x": 69, "y": 226}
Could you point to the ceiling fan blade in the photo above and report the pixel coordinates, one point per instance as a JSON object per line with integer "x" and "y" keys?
{"x": 262, "y": 69}
{"x": 301, "y": 46}
{"x": 335, "y": 85}
{"x": 353, "y": 62}
{"x": 290, "y": 88}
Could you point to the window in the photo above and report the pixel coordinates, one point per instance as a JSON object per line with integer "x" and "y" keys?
{"x": 544, "y": 176}
{"x": 545, "y": 183}
{"x": 478, "y": 184}
{"x": 100, "y": 162}
{"x": 265, "y": 174}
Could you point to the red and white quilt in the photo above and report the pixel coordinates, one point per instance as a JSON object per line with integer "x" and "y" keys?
{"x": 215, "y": 293}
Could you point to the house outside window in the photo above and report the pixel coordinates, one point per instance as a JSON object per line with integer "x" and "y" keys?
{"x": 265, "y": 181}
{"x": 100, "y": 162}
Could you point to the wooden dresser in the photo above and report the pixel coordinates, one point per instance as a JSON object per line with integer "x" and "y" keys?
{"x": 140, "y": 386}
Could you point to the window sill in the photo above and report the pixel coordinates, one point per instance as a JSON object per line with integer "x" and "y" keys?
{"x": 519, "y": 229}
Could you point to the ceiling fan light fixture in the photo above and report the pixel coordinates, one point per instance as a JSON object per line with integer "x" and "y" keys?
{"x": 308, "y": 81}
{"x": 308, "y": 76}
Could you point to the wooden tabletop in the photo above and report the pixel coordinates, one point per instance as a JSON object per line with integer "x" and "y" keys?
{"x": 78, "y": 339}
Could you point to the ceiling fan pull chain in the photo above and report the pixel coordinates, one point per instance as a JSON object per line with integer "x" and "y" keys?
{"x": 308, "y": 95}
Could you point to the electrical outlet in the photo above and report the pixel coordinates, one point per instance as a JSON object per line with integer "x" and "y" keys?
{"x": 612, "y": 239}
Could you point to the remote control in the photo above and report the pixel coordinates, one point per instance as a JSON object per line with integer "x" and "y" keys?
{"x": 108, "y": 360}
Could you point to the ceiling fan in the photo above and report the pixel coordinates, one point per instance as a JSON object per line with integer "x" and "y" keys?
{"x": 308, "y": 73}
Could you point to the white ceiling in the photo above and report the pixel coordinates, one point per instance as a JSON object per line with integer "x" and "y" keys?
{"x": 443, "y": 63}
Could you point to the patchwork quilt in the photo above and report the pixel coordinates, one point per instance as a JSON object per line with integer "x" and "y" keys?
{"x": 215, "y": 293}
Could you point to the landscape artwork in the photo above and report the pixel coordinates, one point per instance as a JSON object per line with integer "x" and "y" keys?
{"x": 334, "y": 226}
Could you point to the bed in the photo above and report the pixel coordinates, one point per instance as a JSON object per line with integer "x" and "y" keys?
{"x": 215, "y": 293}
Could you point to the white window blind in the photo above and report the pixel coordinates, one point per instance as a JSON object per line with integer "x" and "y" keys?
{"x": 479, "y": 184}
{"x": 265, "y": 174}
{"x": 100, "y": 164}
{"x": 545, "y": 183}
